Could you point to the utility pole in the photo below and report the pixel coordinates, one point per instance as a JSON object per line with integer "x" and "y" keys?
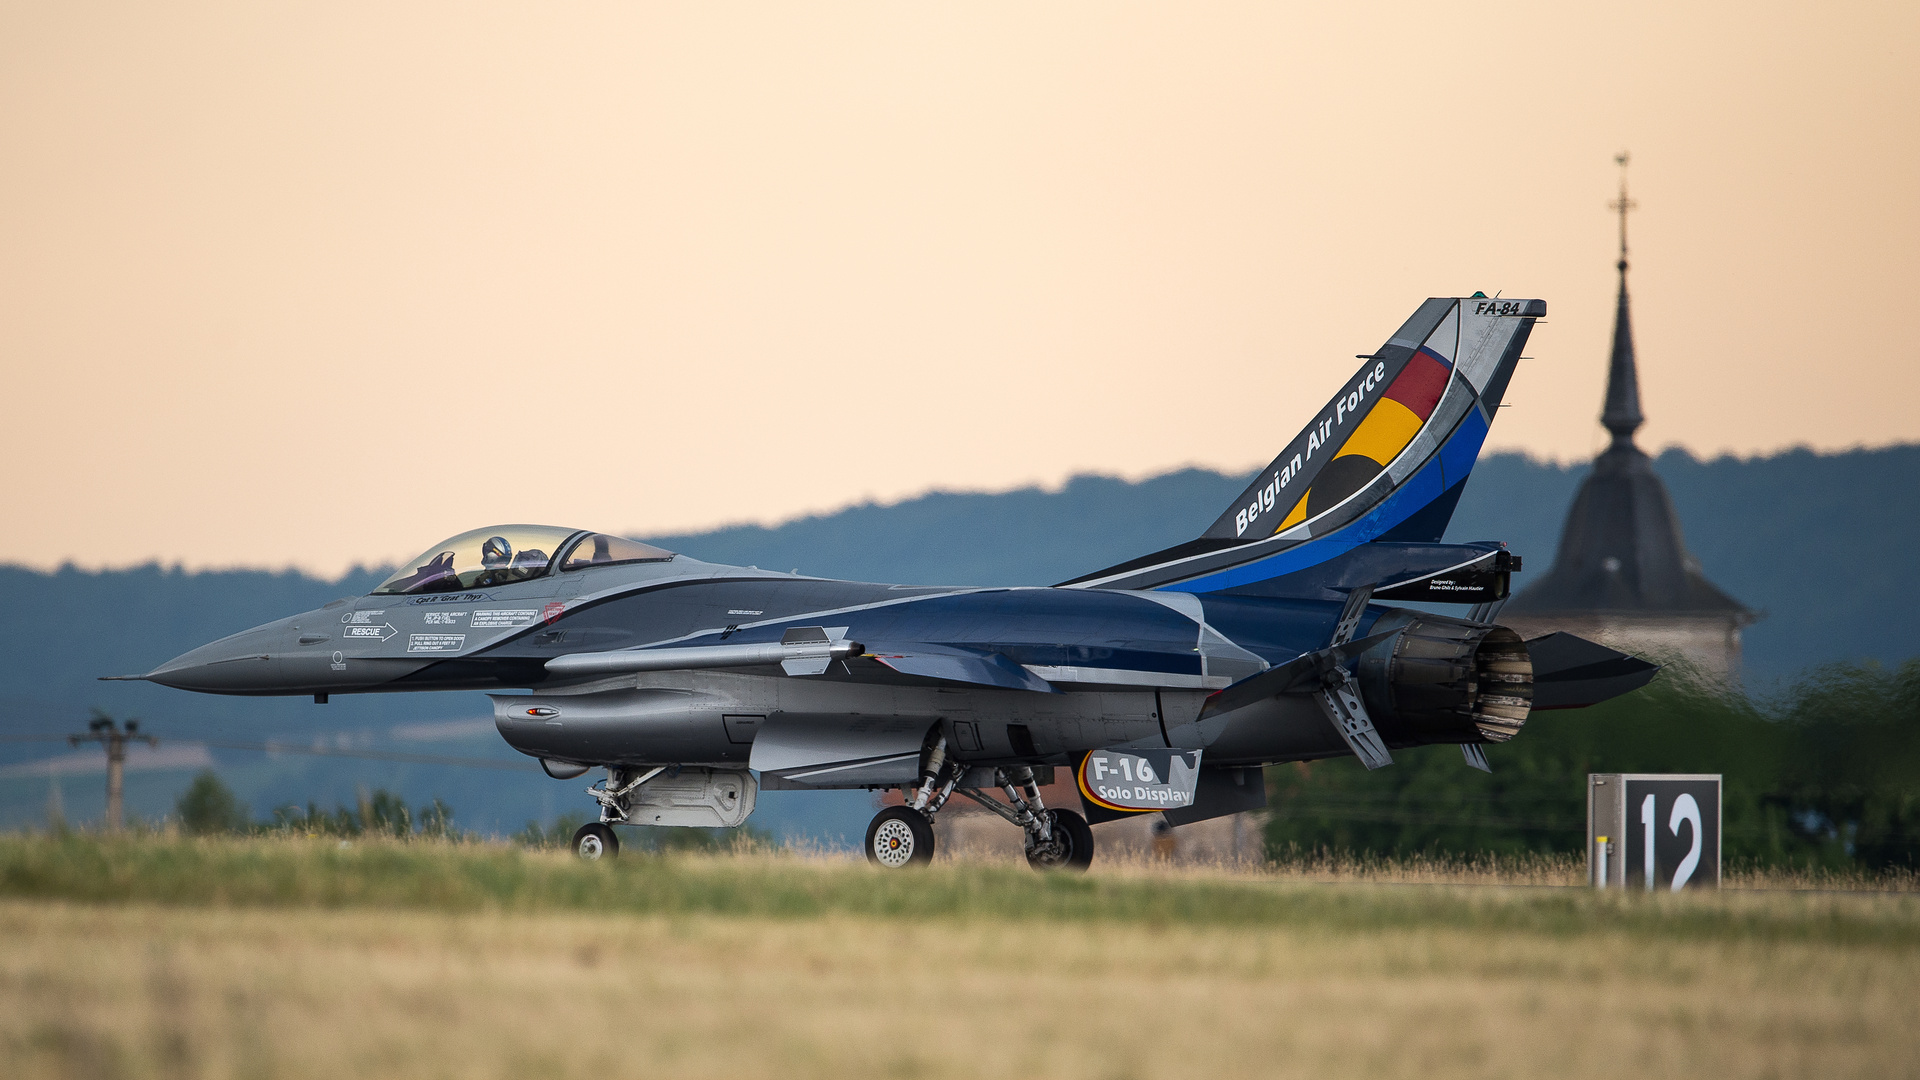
{"x": 56, "y": 808}
{"x": 103, "y": 729}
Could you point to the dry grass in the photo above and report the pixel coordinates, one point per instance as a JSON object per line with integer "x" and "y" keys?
{"x": 1330, "y": 867}
{"x": 141, "y": 991}
{"x": 486, "y": 962}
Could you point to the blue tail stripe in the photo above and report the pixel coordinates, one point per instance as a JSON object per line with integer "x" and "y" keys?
{"x": 1455, "y": 460}
{"x": 1403, "y": 502}
{"x": 1462, "y": 448}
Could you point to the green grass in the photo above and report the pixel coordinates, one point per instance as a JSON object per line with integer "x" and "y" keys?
{"x": 437, "y": 876}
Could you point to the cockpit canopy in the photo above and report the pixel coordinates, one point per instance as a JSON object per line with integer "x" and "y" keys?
{"x": 504, "y": 554}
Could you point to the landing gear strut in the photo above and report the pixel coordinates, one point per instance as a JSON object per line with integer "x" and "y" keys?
{"x": 614, "y": 794}
{"x": 902, "y": 836}
{"x": 1071, "y": 845}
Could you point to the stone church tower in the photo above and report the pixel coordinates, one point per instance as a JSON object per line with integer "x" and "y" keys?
{"x": 1623, "y": 575}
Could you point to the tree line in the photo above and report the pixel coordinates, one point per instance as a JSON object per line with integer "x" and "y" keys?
{"x": 1823, "y": 774}
{"x": 209, "y": 808}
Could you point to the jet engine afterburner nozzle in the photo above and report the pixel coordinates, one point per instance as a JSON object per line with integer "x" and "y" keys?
{"x": 1448, "y": 680}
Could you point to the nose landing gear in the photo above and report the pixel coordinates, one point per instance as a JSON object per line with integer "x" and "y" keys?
{"x": 595, "y": 841}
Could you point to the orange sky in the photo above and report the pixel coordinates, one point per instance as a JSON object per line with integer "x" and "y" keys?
{"x": 307, "y": 284}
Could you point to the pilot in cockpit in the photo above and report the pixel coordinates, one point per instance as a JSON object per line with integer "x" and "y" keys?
{"x": 499, "y": 565}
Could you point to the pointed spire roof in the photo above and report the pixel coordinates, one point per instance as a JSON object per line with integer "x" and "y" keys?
{"x": 1622, "y": 414}
{"x": 1621, "y": 550}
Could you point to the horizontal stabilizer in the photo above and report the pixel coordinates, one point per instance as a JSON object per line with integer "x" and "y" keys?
{"x": 1571, "y": 672}
{"x": 978, "y": 667}
{"x": 1299, "y": 676}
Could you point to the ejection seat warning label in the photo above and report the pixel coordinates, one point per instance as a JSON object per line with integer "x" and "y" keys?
{"x": 498, "y": 618}
{"x": 1140, "y": 780}
{"x": 435, "y": 642}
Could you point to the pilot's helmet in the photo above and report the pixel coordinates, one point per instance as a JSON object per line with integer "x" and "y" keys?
{"x": 496, "y": 553}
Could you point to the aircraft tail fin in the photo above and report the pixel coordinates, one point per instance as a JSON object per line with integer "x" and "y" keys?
{"x": 1386, "y": 459}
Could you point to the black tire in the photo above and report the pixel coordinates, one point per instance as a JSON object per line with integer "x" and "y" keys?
{"x": 596, "y": 841}
{"x": 899, "y": 837}
{"x": 1072, "y": 846}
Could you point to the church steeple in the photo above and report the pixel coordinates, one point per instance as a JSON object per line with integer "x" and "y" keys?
{"x": 1621, "y": 554}
{"x": 1622, "y": 413}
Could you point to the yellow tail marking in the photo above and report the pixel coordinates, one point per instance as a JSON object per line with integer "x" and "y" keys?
{"x": 1296, "y": 515}
{"x": 1384, "y": 433}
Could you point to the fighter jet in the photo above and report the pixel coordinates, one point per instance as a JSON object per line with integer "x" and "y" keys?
{"x": 1164, "y": 683}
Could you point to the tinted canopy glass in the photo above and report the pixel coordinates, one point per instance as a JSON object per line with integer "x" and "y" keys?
{"x": 600, "y": 549}
{"x": 499, "y": 555}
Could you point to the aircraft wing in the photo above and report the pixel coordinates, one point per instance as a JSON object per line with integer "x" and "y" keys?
{"x": 812, "y": 651}
{"x": 977, "y": 666}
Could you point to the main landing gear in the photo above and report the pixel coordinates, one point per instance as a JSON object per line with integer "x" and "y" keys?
{"x": 902, "y": 836}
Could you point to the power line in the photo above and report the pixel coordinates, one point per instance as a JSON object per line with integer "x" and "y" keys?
{"x": 370, "y": 755}
{"x": 313, "y": 751}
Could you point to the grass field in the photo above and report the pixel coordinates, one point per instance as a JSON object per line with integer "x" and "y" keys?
{"x": 270, "y": 958}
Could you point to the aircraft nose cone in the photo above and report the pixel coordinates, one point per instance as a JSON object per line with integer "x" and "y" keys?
{"x": 234, "y": 665}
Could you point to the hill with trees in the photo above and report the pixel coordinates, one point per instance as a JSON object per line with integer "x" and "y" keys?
{"x": 1817, "y": 542}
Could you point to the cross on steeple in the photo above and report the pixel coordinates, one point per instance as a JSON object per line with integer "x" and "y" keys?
{"x": 1622, "y": 412}
{"x": 1622, "y": 204}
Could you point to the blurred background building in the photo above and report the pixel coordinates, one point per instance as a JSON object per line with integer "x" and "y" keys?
{"x": 1622, "y": 574}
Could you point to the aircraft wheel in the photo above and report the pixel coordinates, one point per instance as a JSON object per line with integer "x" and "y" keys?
{"x": 1072, "y": 846}
{"x": 900, "y": 836}
{"x": 596, "y": 841}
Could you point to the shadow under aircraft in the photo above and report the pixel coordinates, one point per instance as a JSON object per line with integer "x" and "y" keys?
{"x": 1165, "y": 683}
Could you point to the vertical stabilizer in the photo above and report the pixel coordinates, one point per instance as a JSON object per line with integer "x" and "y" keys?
{"x": 1385, "y": 459}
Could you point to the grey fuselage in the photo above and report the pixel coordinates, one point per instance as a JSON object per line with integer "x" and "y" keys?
{"x": 1111, "y": 667}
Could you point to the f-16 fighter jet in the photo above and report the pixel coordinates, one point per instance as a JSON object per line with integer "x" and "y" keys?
{"x": 1164, "y": 683}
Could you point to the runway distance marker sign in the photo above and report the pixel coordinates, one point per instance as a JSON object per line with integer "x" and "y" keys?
{"x": 1653, "y": 831}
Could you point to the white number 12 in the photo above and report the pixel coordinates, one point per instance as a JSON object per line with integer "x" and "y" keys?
{"x": 1646, "y": 819}
{"x": 1684, "y": 809}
